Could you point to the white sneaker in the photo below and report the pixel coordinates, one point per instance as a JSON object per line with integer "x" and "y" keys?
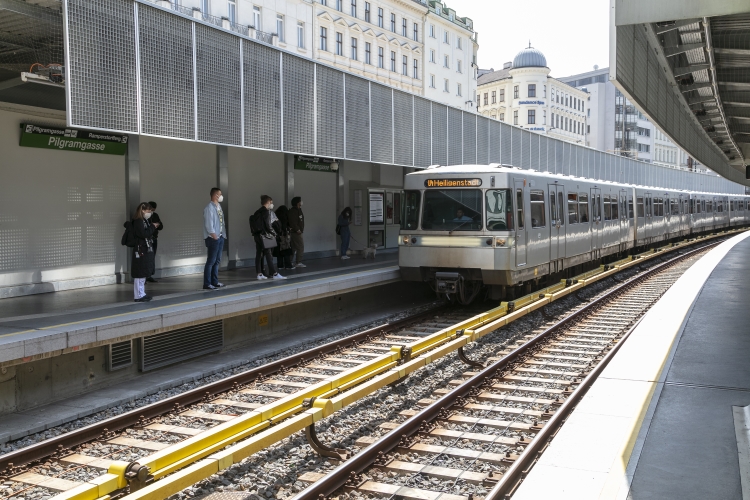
{"x": 277, "y": 276}
{"x": 345, "y": 257}
{"x": 262, "y": 277}
{"x": 300, "y": 264}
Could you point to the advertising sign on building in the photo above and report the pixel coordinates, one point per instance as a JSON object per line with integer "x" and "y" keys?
{"x": 70, "y": 139}
{"x": 315, "y": 163}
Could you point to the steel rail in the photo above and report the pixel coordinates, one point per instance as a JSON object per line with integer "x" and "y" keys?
{"x": 347, "y": 472}
{"x": 91, "y": 432}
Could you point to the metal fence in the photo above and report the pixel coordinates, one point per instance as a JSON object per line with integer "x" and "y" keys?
{"x": 134, "y": 67}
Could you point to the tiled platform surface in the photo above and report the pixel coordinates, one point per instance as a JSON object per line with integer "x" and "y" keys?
{"x": 60, "y": 322}
{"x": 658, "y": 423}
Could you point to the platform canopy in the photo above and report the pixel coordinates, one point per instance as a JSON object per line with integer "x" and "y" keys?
{"x": 686, "y": 64}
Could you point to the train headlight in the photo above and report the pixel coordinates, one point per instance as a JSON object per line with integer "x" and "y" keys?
{"x": 406, "y": 240}
{"x": 500, "y": 242}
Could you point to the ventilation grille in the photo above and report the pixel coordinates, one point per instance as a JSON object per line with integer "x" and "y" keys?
{"x": 119, "y": 355}
{"x": 178, "y": 345}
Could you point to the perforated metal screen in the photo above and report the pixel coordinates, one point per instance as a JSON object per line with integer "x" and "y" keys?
{"x": 357, "y": 119}
{"x": 262, "y": 95}
{"x": 404, "y": 132}
{"x": 382, "y": 124}
{"x": 330, "y": 115}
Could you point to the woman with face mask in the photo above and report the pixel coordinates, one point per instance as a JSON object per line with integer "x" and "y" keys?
{"x": 265, "y": 236}
{"x": 345, "y": 218}
{"x": 142, "y": 259}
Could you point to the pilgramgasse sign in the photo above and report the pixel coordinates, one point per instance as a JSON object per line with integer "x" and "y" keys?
{"x": 452, "y": 183}
{"x": 70, "y": 139}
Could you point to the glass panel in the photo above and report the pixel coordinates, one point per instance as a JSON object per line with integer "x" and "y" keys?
{"x": 537, "y": 209}
{"x": 583, "y": 208}
{"x": 519, "y": 207}
{"x": 397, "y": 208}
{"x": 641, "y": 212}
{"x": 572, "y": 208}
{"x": 607, "y": 208}
{"x": 452, "y": 210}
{"x": 411, "y": 210}
{"x": 630, "y": 207}
{"x": 560, "y": 208}
{"x": 499, "y": 210}
{"x": 615, "y": 208}
{"x": 552, "y": 207}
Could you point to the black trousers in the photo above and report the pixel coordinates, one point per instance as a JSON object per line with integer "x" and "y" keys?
{"x": 260, "y": 252}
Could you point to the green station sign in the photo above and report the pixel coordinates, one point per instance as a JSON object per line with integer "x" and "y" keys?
{"x": 315, "y": 163}
{"x": 70, "y": 139}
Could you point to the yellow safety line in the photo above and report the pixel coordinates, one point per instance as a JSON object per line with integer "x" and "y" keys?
{"x": 99, "y": 318}
{"x": 196, "y": 458}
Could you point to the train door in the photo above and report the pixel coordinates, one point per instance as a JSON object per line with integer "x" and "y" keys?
{"x": 596, "y": 218}
{"x": 557, "y": 225}
{"x": 521, "y": 231}
{"x": 624, "y": 229}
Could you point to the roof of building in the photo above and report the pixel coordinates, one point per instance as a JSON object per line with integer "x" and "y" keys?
{"x": 530, "y": 58}
{"x": 494, "y": 76}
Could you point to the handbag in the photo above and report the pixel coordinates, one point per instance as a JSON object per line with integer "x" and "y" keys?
{"x": 269, "y": 241}
{"x": 285, "y": 240}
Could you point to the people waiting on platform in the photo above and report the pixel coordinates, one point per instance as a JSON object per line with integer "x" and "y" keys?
{"x": 262, "y": 227}
{"x": 296, "y": 221}
{"x": 159, "y": 225}
{"x": 214, "y": 234}
{"x": 142, "y": 264}
{"x": 283, "y": 252}
{"x": 345, "y": 218}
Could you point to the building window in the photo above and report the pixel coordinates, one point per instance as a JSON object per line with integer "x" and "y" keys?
{"x": 557, "y": 121}
{"x": 432, "y": 31}
{"x": 458, "y": 66}
{"x": 354, "y": 49}
{"x": 393, "y": 61}
{"x": 232, "y": 11}
{"x": 416, "y": 70}
{"x": 501, "y": 117}
{"x": 459, "y": 43}
{"x": 532, "y": 117}
{"x": 515, "y": 92}
{"x": 323, "y": 38}
{"x": 588, "y": 129}
{"x": 557, "y": 97}
{"x": 447, "y": 62}
{"x": 458, "y": 89}
{"x": 447, "y": 86}
{"x": 354, "y": 8}
{"x": 432, "y": 81}
{"x": 532, "y": 90}
{"x": 485, "y": 98}
{"x": 338, "y": 5}
{"x": 301, "y": 35}
{"x": 494, "y": 96}
{"x": 502, "y": 95}
{"x": 205, "y": 6}
{"x": 367, "y": 12}
{"x": 368, "y": 53}
{"x": 446, "y": 37}
{"x": 380, "y": 17}
{"x": 515, "y": 117}
{"x": 416, "y": 32}
{"x": 339, "y": 44}
{"x": 380, "y": 58}
{"x": 404, "y": 30}
{"x": 393, "y": 22}
{"x": 280, "y": 28}
{"x": 432, "y": 55}
{"x": 544, "y": 117}
{"x": 545, "y": 91}
{"x": 405, "y": 65}
{"x": 257, "y": 19}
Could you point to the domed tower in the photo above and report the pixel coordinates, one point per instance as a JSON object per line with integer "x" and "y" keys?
{"x": 529, "y": 89}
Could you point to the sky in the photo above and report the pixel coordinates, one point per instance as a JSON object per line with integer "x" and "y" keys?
{"x": 572, "y": 35}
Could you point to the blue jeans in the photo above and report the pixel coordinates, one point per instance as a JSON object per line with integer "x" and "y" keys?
{"x": 213, "y": 261}
{"x": 345, "y": 236}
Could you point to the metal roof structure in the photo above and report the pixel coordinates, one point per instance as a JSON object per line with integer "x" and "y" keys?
{"x": 529, "y": 58}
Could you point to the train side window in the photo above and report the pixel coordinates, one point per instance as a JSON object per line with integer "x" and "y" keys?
{"x": 537, "y": 209}
{"x": 561, "y": 209}
{"x": 410, "y": 219}
{"x": 572, "y": 208}
{"x": 596, "y": 207}
{"x": 639, "y": 207}
{"x": 499, "y": 205}
{"x": 615, "y": 208}
{"x": 519, "y": 207}
{"x": 553, "y": 208}
{"x": 583, "y": 208}
{"x": 607, "y": 208}
{"x": 675, "y": 207}
{"x": 630, "y": 207}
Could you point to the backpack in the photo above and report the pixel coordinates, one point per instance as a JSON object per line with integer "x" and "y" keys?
{"x": 128, "y": 237}
{"x": 256, "y": 224}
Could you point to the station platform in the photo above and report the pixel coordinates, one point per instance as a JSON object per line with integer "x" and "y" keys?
{"x": 667, "y": 419}
{"x": 38, "y": 326}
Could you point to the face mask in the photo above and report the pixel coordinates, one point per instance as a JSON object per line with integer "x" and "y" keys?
{"x": 147, "y": 215}
{"x": 270, "y": 207}
{"x": 301, "y": 203}
{"x": 221, "y": 198}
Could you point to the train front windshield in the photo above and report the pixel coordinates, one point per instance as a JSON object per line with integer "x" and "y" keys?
{"x": 452, "y": 210}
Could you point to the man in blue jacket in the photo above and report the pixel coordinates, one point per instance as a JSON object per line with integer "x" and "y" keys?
{"x": 214, "y": 233}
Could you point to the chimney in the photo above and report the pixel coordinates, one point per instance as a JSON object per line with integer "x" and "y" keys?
{"x": 507, "y": 65}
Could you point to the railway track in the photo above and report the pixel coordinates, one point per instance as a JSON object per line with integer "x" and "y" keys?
{"x": 187, "y": 438}
{"x": 479, "y": 437}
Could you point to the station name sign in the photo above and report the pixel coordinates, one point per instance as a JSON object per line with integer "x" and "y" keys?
{"x": 452, "y": 183}
{"x": 70, "y": 139}
{"x": 315, "y": 163}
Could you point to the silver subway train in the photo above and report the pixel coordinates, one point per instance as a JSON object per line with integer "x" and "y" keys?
{"x": 473, "y": 228}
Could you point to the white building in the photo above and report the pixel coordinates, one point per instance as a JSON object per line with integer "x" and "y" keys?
{"x": 523, "y": 94}
{"x": 614, "y": 124}
{"x": 450, "y": 57}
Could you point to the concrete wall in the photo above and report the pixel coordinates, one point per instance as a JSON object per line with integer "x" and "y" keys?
{"x": 61, "y": 212}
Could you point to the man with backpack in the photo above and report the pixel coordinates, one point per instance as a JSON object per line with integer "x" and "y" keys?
{"x": 261, "y": 225}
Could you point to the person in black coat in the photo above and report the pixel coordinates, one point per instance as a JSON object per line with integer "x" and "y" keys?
{"x": 142, "y": 264}
{"x": 159, "y": 225}
{"x": 283, "y": 252}
{"x": 267, "y": 217}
